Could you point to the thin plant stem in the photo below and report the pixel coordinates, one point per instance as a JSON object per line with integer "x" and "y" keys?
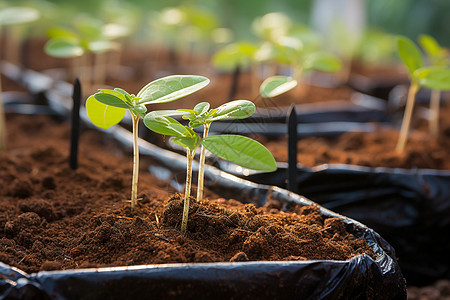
{"x": 190, "y": 157}
{"x": 2, "y": 121}
{"x": 134, "y": 183}
{"x": 434, "y": 108}
{"x": 407, "y": 117}
{"x": 201, "y": 169}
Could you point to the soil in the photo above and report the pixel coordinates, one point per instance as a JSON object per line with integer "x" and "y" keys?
{"x": 54, "y": 217}
{"x": 374, "y": 149}
{"x": 440, "y": 290}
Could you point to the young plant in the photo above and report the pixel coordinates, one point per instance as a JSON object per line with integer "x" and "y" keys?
{"x": 434, "y": 77}
{"x": 202, "y": 115}
{"x": 107, "y": 108}
{"x": 235, "y": 148}
{"x": 438, "y": 57}
{"x": 89, "y": 35}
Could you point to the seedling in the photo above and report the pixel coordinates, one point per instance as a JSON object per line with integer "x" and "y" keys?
{"x": 88, "y": 36}
{"x": 276, "y": 85}
{"x": 438, "y": 57}
{"x": 434, "y": 77}
{"x": 235, "y": 148}
{"x": 235, "y": 57}
{"x": 107, "y": 108}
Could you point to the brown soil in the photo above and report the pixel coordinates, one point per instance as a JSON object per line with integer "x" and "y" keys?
{"x": 57, "y": 218}
{"x": 375, "y": 149}
{"x": 440, "y": 290}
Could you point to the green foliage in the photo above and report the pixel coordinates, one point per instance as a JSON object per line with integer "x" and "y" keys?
{"x": 87, "y": 33}
{"x": 276, "y": 85}
{"x": 242, "y": 151}
{"x": 377, "y": 47}
{"x": 171, "y": 88}
{"x": 239, "y": 54}
{"x": 13, "y": 15}
{"x": 64, "y": 48}
{"x": 162, "y": 90}
{"x": 410, "y": 54}
{"x": 102, "y": 115}
{"x": 238, "y": 149}
{"x": 437, "y": 78}
{"x": 323, "y": 62}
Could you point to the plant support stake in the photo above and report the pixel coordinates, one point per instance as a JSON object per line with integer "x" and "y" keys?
{"x": 292, "y": 150}
{"x": 75, "y": 125}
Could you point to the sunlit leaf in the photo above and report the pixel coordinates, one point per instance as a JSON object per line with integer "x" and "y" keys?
{"x": 165, "y": 126}
{"x": 102, "y": 115}
{"x": 202, "y": 107}
{"x": 437, "y": 78}
{"x": 113, "y": 98}
{"x": 18, "y": 15}
{"x": 171, "y": 88}
{"x": 234, "y": 55}
{"x": 241, "y": 150}
{"x": 237, "y": 109}
{"x": 63, "y": 48}
{"x": 323, "y": 62}
{"x": 410, "y": 54}
{"x": 276, "y": 85}
{"x": 166, "y": 113}
{"x": 430, "y": 45}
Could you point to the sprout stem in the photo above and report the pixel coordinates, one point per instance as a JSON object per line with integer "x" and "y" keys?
{"x": 201, "y": 169}
{"x": 190, "y": 157}
{"x": 434, "y": 108}
{"x": 134, "y": 183}
{"x": 2, "y": 122}
{"x": 407, "y": 117}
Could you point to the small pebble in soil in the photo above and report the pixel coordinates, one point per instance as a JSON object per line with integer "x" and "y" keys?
{"x": 240, "y": 256}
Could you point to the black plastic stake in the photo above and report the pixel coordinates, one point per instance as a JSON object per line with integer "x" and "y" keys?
{"x": 75, "y": 125}
{"x": 234, "y": 83}
{"x": 292, "y": 149}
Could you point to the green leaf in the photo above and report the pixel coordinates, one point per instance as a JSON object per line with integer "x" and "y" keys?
{"x": 437, "y": 78}
{"x": 323, "y": 62}
{"x": 410, "y": 54}
{"x": 235, "y": 55}
{"x": 102, "y": 46}
{"x": 165, "y": 126}
{"x": 113, "y": 98}
{"x": 241, "y": 150}
{"x": 191, "y": 141}
{"x": 237, "y": 109}
{"x": 201, "y": 108}
{"x": 276, "y": 85}
{"x": 59, "y": 32}
{"x": 89, "y": 27}
{"x": 18, "y": 15}
{"x": 166, "y": 113}
{"x": 63, "y": 48}
{"x": 139, "y": 109}
{"x": 103, "y": 116}
{"x": 430, "y": 45}
{"x": 171, "y": 88}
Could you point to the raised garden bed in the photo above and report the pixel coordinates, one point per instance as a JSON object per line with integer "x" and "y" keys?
{"x": 44, "y": 206}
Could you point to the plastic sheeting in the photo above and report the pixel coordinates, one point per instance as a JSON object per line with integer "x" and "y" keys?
{"x": 357, "y": 278}
{"x": 409, "y": 208}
